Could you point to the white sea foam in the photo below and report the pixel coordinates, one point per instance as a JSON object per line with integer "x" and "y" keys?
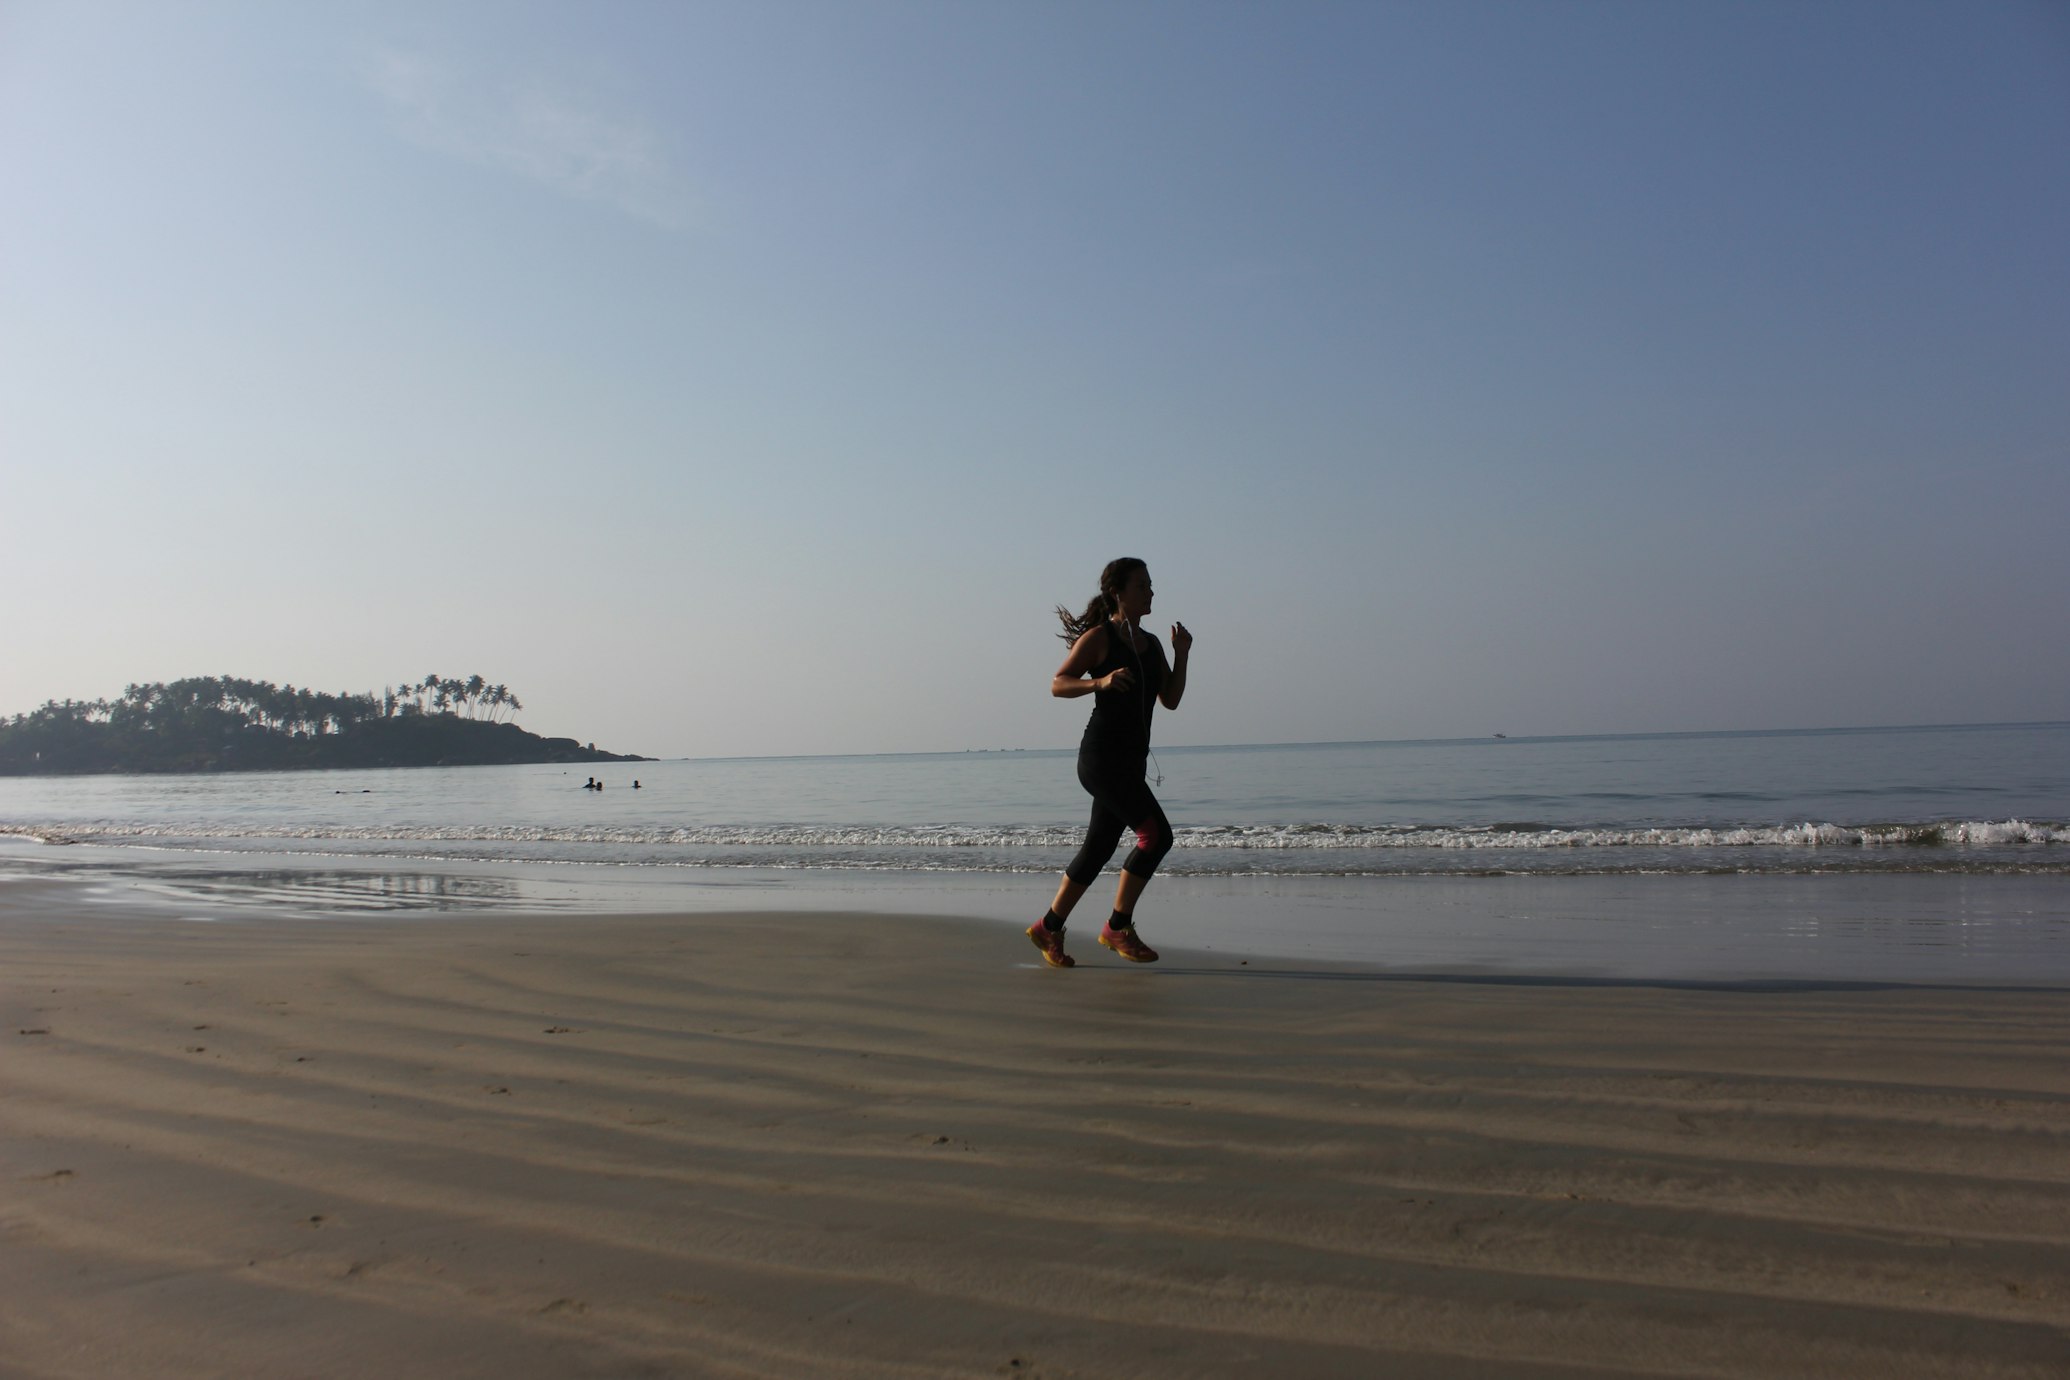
{"x": 1309, "y": 836}
{"x": 2004, "y": 833}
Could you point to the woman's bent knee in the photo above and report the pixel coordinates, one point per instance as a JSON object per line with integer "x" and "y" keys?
{"x": 1153, "y": 841}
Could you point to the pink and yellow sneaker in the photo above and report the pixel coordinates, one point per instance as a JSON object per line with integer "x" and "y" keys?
{"x": 1125, "y": 943}
{"x": 1051, "y": 942}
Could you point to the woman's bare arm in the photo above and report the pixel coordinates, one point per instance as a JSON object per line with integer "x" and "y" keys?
{"x": 1071, "y": 681}
{"x": 1175, "y": 676}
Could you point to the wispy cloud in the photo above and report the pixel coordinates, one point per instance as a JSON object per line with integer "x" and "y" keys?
{"x": 538, "y": 135}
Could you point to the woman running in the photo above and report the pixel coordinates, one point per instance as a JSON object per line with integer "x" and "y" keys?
{"x": 1124, "y": 670}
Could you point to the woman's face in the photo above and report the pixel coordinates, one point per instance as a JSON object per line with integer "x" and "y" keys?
{"x": 1136, "y": 595}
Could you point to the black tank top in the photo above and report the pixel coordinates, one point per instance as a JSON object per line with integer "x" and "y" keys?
{"x": 1120, "y": 722}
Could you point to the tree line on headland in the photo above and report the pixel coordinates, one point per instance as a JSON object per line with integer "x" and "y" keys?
{"x": 224, "y": 723}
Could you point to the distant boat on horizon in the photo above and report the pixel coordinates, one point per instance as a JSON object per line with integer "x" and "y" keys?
{"x": 1502, "y": 735}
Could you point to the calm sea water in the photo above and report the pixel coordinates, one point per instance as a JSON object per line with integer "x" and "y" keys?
{"x": 1971, "y": 799}
{"x": 1369, "y": 842}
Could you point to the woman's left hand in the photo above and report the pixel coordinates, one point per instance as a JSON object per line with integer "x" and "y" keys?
{"x": 1182, "y": 641}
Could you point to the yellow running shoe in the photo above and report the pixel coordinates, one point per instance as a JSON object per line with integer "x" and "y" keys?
{"x": 1125, "y": 943}
{"x": 1051, "y": 942}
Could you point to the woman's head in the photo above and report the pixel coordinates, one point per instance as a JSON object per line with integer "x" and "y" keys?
{"x": 1125, "y": 581}
{"x": 1124, "y": 588}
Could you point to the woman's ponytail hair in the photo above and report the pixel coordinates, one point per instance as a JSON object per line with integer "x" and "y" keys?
{"x": 1113, "y": 579}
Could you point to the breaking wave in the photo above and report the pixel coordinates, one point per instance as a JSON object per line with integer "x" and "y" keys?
{"x": 1204, "y": 850}
{"x": 1980, "y": 834}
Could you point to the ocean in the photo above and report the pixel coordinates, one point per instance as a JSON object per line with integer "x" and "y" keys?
{"x": 1866, "y": 822}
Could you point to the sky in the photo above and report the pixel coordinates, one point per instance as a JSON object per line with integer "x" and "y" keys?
{"x": 742, "y": 379}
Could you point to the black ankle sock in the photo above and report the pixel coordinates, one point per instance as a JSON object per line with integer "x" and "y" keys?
{"x": 1051, "y": 921}
{"x": 1121, "y": 920}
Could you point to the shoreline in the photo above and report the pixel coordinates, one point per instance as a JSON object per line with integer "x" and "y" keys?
{"x": 776, "y": 1144}
{"x": 1975, "y": 929}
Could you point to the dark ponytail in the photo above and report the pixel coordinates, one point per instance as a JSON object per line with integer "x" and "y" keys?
{"x": 1113, "y": 579}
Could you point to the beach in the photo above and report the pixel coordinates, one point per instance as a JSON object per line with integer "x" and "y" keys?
{"x": 825, "y": 1144}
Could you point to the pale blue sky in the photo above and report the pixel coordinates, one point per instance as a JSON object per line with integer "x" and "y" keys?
{"x": 753, "y": 378}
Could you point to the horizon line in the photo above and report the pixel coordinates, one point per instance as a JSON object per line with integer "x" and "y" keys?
{"x": 1406, "y": 742}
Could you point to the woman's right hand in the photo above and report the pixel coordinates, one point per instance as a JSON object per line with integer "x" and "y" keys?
{"x": 1075, "y": 677}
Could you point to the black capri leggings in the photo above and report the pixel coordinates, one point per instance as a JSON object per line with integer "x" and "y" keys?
{"x": 1121, "y": 800}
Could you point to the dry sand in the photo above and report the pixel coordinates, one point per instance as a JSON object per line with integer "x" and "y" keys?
{"x": 826, "y": 1145}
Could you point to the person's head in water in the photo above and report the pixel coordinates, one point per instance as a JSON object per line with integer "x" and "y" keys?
{"x": 1124, "y": 589}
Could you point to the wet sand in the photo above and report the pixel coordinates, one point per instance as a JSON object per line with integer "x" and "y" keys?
{"x": 823, "y": 1145}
